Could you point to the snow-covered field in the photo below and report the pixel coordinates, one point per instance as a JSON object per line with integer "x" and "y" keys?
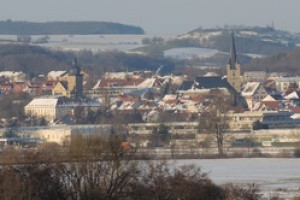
{"x": 279, "y": 176}
{"x": 89, "y": 42}
{"x": 189, "y": 53}
{"x": 95, "y": 42}
{"x": 124, "y": 43}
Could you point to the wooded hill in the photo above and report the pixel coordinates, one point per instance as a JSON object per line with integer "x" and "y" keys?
{"x": 288, "y": 62}
{"x": 35, "y": 60}
{"x": 66, "y": 28}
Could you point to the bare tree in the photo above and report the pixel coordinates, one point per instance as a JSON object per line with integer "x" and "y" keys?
{"x": 215, "y": 120}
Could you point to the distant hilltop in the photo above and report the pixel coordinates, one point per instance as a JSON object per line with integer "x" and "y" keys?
{"x": 250, "y": 40}
{"x": 9, "y": 27}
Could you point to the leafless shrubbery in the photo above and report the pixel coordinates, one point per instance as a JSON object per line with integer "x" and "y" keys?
{"x": 102, "y": 169}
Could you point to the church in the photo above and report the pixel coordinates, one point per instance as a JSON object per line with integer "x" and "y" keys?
{"x": 233, "y": 68}
{"x": 66, "y": 96}
{"x": 73, "y": 85}
{"x": 229, "y": 85}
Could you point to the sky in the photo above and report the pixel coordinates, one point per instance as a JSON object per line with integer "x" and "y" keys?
{"x": 159, "y": 16}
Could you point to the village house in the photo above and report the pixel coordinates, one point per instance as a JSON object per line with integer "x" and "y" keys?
{"x": 254, "y": 76}
{"x": 283, "y": 83}
{"x": 73, "y": 86}
{"x": 56, "y": 75}
{"x": 229, "y": 86}
{"x": 253, "y": 92}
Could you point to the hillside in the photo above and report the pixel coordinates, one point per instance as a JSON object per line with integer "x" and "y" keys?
{"x": 281, "y": 62}
{"x": 66, "y": 28}
{"x": 251, "y": 42}
{"x": 35, "y": 60}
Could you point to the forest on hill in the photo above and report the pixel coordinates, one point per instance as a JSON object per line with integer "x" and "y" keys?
{"x": 280, "y": 62}
{"x": 9, "y": 27}
{"x": 35, "y": 60}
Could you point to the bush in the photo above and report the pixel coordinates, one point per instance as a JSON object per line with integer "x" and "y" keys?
{"x": 297, "y": 153}
{"x": 101, "y": 169}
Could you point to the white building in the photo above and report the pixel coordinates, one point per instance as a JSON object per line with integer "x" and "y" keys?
{"x": 283, "y": 83}
{"x": 55, "y": 107}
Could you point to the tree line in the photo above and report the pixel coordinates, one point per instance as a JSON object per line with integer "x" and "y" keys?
{"x": 35, "y": 60}
{"x": 287, "y": 62}
{"x": 10, "y": 27}
{"x": 98, "y": 168}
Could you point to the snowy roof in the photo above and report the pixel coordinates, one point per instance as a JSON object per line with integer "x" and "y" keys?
{"x": 43, "y": 102}
{"x": 10, "y": 73}
{"x": 250, "y": 88}
{"x": 209, "y": 74}
{"x": 57, "y": 100}
{"x": 55, "y": 74}
{"x": 97, "y": 85}
{"x": 169, "y": 97}
{"x": 293, "y": 95}
{"x": 148, "y": 83}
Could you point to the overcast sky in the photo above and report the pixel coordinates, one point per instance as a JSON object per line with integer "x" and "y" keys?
{"x": 160, "y": 16}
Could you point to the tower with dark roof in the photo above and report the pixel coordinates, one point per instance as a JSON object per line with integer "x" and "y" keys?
{"x": 75, "y": 81}
{"x": 233, "y": 68}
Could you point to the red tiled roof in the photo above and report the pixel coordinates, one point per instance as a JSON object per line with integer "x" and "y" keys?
{"x": 197, "y": 98}
{"x": 172, "y": 101}
{"x": 289, "y": 91}
{"x": 271, "y": 104}
{"x": 295, "y": 109}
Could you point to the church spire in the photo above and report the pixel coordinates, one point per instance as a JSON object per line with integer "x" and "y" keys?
{"x": 233, "y": 60}
{"x": 76, "y": 66}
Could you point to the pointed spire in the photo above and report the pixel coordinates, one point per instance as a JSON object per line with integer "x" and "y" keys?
{"x": 233, "y": 60}
{"x": 76, "y": 66}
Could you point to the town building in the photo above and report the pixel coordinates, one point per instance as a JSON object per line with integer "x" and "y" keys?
{"x": 73, "y": 86}
{"x": 283, "y": 83}
{"x": 56, "y": 107}
{"x": 231, "y": 85}
{"x": 253, "y": 92}
{"x": 254, "y": 76}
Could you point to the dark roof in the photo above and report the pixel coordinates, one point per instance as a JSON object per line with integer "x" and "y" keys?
{"x": 211, "y": 83}
{"x": 64, "y": 84}
{"x": 277, "y": 97}
{"x": 186, "y": 85}
{"x": 233, "y": 59}
{"x": 75, "y": 70}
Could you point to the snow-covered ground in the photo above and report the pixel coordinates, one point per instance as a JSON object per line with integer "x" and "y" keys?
{"x": 274, "y": 176}
{"x": 189, "y": 53}
{"x": 89, "y": 42}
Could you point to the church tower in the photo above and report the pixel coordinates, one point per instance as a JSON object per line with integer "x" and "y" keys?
{"x": 233, "y": 68}
{"x": 75, "y": 81}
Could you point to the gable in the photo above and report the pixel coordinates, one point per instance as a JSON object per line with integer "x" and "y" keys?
{"x": 60, "y": 87}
